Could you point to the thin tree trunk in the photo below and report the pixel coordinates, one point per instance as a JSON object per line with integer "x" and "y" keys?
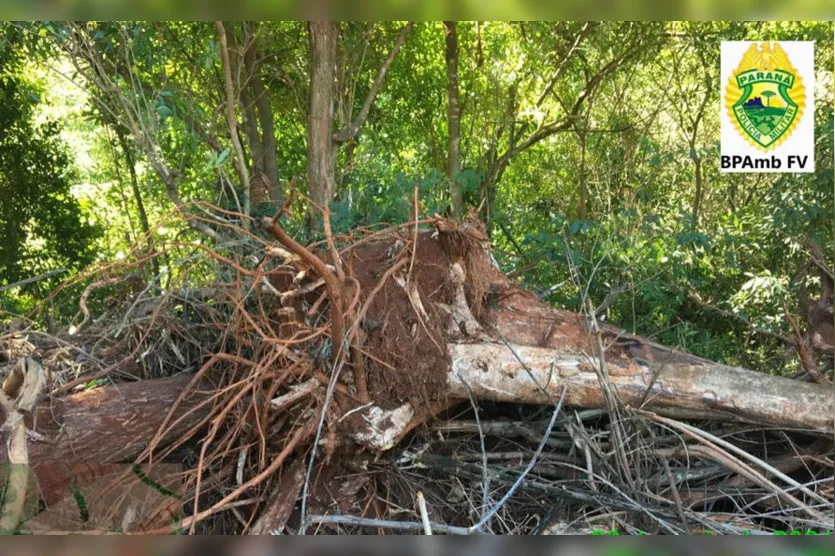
{"x": 250, "y": 125}
{"x": 344, "y": 177}
{"x": 137, "y": 195}
{"x": 231, "y": 119}
{"x": 453, "y": 119}
{"x": 261, "y": 98}
{"x": 487, "y": 191}
{"x": 348, "y": 133}
{"x": 698, "y": 169}
{"x": 697, "y": 199}
{"x": 583, "y": 204}
{"x": 488, "y": 196}
{"x": 320, "y": 144}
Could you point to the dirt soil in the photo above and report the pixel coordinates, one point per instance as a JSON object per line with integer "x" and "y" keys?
{"x": 408, "y": 360}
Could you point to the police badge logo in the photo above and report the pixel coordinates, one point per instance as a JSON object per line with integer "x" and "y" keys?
{"x": 767, "y": 107}
{"x": 765, "y": 96}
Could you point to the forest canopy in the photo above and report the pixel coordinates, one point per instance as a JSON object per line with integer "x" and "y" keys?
{"x": 589, "y": 149}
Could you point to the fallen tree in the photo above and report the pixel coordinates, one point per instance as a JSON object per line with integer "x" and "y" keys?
{"x": 519, "y": 350}
{"x": 314, "y": 351}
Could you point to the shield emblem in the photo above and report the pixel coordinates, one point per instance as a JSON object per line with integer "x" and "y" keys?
{"x": 765, "y": 96}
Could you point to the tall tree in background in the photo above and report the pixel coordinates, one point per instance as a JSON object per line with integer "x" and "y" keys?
{"x": 99, "y": 53}
{"x": 320, "y": 144}
{"x": 696, "y": 84}
{"x": 258, "y": 112}
{"x": 231, "y": 117}
{"x": 519, "y": 129}
{"x": 323, "y": 142}
{"x": 41, "y": 224}
{"x": 130, "y": 164}
{"x": 453, "y": 118}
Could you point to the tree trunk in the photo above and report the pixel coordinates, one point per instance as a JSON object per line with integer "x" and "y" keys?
{"x": 487, "y": 192}
{"x": 684, "y": 388}
{"x": 583, "y": 203}
{"x": 250, "y": 125}
{"x": 453, "y": 119}
{"x": 519, "y": 350}
{"x": 322, "y": 141}
{"x": 261, "y": 98}
{"x": 548, "y": 350}
{"x": 320, "y": 144}
{"x": 697, "y": 198}
{"x": 109, "y": 424}
{"x": 137, "y": 195}
{"x": 232, "y": 121}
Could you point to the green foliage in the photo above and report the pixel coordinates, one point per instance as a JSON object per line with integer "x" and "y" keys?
{"x": 391, "y": 202}
{"x": 41, "y": 224}
{"x": 608, "y": 202}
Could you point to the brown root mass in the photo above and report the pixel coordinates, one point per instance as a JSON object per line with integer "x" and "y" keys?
{"x": 410, "y": 362}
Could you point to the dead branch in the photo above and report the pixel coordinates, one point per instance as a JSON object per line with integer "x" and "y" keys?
{"x": 82, "y": 303}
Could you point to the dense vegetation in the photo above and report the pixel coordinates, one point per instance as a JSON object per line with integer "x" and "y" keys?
{"x": 43, "y": 227}
{"x": 590, "y": 149}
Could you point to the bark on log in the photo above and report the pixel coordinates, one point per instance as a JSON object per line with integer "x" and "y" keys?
{"x": 520, "y": 350}
{"x": 559, "y": 349}
{"x": 687, "y": 388}
{"x": 107, "y": 425}
{"x": 493, "y": 372}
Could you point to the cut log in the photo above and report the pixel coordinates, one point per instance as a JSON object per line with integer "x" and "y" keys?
{"x": 109, "y": 424}
{"x": 560, "y": 349}
{"x": 685, "y": 389}
{"x": 709, "y": 391}
{"x": 502, "y": 343}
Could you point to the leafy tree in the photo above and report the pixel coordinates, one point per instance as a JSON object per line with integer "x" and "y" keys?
{"x": 41, "y": 224}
